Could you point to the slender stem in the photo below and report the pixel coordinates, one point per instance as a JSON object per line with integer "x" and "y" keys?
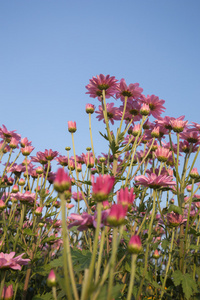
{"x": 85, "y": 295}
{"x": 168, "y": 265}
{"x": 148, "y": 244}
{"x": 131, "y": 283}
{"x": 113, "y": 258}
{"x": 65, "y": 250}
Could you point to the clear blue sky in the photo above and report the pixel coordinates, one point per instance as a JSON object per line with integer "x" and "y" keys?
{"x": 50, "y": 49}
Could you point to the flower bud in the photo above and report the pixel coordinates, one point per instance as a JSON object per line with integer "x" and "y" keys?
{"x": 51, "y": 280}
{"x": 135, "y": 245}
{"x": 71, "y": 126}
{"x": 89, "y": 108}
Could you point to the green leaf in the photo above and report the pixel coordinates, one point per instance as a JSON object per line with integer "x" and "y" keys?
{"x": 28, "y": 231}
{"x": 127, "y": 267}
{"x": 103, "y": 135}
{"x": 175, "y": 209}
{"x": 47, "y": 296}
{"x": 165, "y": 244}
{"x": 188, "y": 285}
{"x": 81, "y": 259}
{"x": 58, "y": 262}
{"x": 115, "y": 292}
{"x": 177, "y": 277}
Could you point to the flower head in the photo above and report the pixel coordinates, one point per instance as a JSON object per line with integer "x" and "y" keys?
{"x": 133, "y": 91}
{"x": 117, "y": 214}
{"x": 62, "y": 181}
{"x": 155, "y": 105}
{"x": 135, "y": 245}
{"x": 154, "y": 181}
{"x": 126, "y": 197}
{"x": 174, "y": 219}
{"x": 102, "y": 187}
{"x": 113, "y": 113}
{"x": 99, "y": 83}
{"x": 9, "y": 261}
{"x": 71, "y": 126}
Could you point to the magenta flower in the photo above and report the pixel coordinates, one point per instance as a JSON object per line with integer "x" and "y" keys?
{"x": 4, "y": 133}
{"x": 102, "y": 187}
{"x": 100, "y": 83}
{"x": 9, "y": 261}
{"x": 126, "y": 197}
{"x": 117, "y": 214}
{"x": 72, "y": 126}
{"x": 135, "y": 245}
{"x": 155, "y": 105}
{"x": 154, "y": 181}
{"x": 62, "y": 181}
{"x": 113, "y": 113}
{"x": 174, "y": 219}
{"x": 132, "y": 111}
{"x": 84, "y": 221}
{"x": 133, "y": 91}
{"x": 62, "y": 160}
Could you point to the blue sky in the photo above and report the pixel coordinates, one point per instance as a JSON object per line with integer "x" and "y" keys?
{"x": 50, "y": 49}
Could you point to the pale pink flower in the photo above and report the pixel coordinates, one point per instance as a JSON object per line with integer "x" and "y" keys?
{"x": 191, "y": 136}
{"x": 113, "y": 113}
{"x": 9, "y": 261}
{"x": 72, "y": 126}
{"x": 89, "y": 108}
{"x": 178, "y": 125}
{"x": 132, "y": 91}
{"x": 154, "y": 181}
{"x": 99, "y": 83}
{"x": 4, "y": 133}
{"x": 155, "y": 105}
{"x": 162, "y": 154}
{"x": 25, "y": 142}
{"x": 27, "y": 150}
{"x": 14, "y": 143}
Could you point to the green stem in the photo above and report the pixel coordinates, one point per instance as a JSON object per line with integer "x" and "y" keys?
{"x": 65, "y": 250}
{"x": 85, "y": 294}
{"x": 131, "y": 283}
{"x": 168, "y": 265}
{"x": 113, "y": 259}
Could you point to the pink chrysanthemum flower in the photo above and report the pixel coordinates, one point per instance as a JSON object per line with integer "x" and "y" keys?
{"x": 100, "y": 83}
{"x": 117, "y": 214}
{"x": 132, "y": 111}
{"x": 174, "y": 219}
{"x": 162, "y": 154}
{"x": 191, "y": 136}
{"x": 113, "y": 113}
{"x": 126, "y": 197}
{"x": 9, "y": 261}
{"x": 178, "y": 125}
{"x": 155, "y": 105}
{"x": 102, "y": 187}
{"x": 154, "y": 181}
{"x": 132, "y": 91}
